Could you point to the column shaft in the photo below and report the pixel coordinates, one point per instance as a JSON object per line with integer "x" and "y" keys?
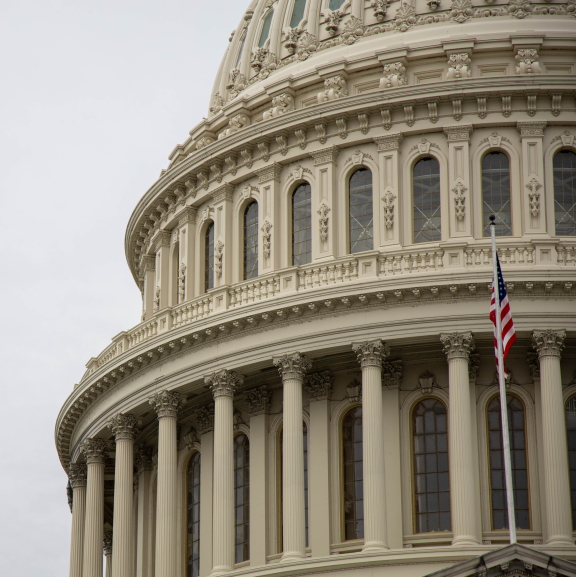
{"x": 92, "y": 564}
{"x": 78, "y": 523}
{"x": 142, "y": 566}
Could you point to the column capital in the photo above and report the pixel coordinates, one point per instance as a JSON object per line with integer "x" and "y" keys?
{"x": 457, "y": 345}
{"x": 94, "y": 450}
{"x": 292, "y": 366}
{"x": 389, "y": 142}
{"x": 124, "y": 426}
{"x": 371, "y": 353}
{"x": 533, "y": 364}
{"x": 77, "y": 474}
{"x": 107, "y": 542}
{"x": 319, "y": 385}
{"x": 166, "y": 403}
{"x": 143, "y": 458}
{"x": 548, "y": 343}
{"x": 258, "y": 400}
{"x": 205, "y": 418}
{"x": 223, "y": 383}
{"x": 392, "y": 373}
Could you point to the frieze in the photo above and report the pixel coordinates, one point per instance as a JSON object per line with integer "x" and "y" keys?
{"x": 270, "y": 173}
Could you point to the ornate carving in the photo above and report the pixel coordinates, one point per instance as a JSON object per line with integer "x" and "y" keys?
{"x": 459, "y": 198}
{"x": 363, "y": 122}
{"x": 427, "y": 382}
{"x": 371, "y": 353}
{"x": 223, "y": 383}
{"x": 77, "y": 475}
{"x": 205, "y": 418}
{"x": 392, "y": 373}
{"x": 234, "y": 125}
{"x": 319, "y": 385}
{"x": 394, "y": 75}
{"x": 143, "y": 458}
{"x": 405, "y": 17}
{"x": 293, "y": 366}
{"x": 433, "y": 112}
{"x": 474, "y": 366}
{"x": 281, "y": 104}
{"x": 548, "y": 343}
{"x": 270, "y": 173}
{"x": 323, "y": 212}
{"x": 458, "y": 133}
{"x": 380, "y": 9}
{"x": 264, "y": 62}
{"x": 166, "y": 403}
{"x": 182, "y": 283}
{"x": 107, "y": 543}
{"x": 352, "y": 30}
{"x": 458, "y": 66}
{"x": 266, "y": 238}
{"x": 204, "y": 141}
{"x": 342, "y": 127}
{"x": 324, "y": 156}
{"x": 534, "y": 196}
{"x": 519, "y": 8}
{"x": 258, "y": 400}
{"x": 388, "y": 200}
{"x": 334, "y": 88}
{"x": 217, "y": 104}
{"x": 298, "y": 173}
{"x": 291, "y": 37}
{"x": 457, "y": 345}
{"x": 332, "y": 21}
{"x": 389, "y": 142}
{"x": 386, "y": 118}
{"x": 409, "y": 115}
{"x": 461, "y": 10}
{"x": 531, "y": 128}
{"x": 94, "y": 450}
{"x": 527, "y": 59}
{"x": 218, "y": 256}
{"x": 236, "y": 83}
{"x": 124, "y": 426}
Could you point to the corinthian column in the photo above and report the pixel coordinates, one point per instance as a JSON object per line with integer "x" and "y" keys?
{"x": 549, "y": 345}
{"x": 124, "y": 428}
{"x": 370, "y": 356}
{"x": 94, "y": 450}
{"x": 166, "y": 403}
{"x": 77, "y": 474}
{"x": 292, "y": 369}
{"x": 457, "y": 347}
{"x": 223, "y": 383}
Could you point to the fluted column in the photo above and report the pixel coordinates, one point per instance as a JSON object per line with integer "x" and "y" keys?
{"x": 549, "y": 345}
{"x": 124, "y": 427}
{"x": 292, "y": 369}
{"x": 166, "y": 403}
{"x": 94, "y": 449}
{"x": 223, "y": 384}
{"x": 370, "y": 356}
{"x": 457, "y": 347}
{"x": 77, "y": 474}
{"x": 107, "y": 544}
{"x": 143, "y": 460}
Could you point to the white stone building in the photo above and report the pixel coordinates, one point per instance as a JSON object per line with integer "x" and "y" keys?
{"x": 311, "y": 389}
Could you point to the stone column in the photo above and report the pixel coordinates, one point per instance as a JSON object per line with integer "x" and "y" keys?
{"x": 457, "y": 347}
{"x": 549, "y": 345}
{"x": 107, "y": 545}
{"x": 223, "y": 384}
{"x": 144, "y": 464}
{"x": 77, "y": 474}
{"x": 124, "y": 427}
{"x": 166, "y": 403}
{"x": 370, "y": 355}
{"x": 94, "y": 449}
{"x": 292, "y": 369}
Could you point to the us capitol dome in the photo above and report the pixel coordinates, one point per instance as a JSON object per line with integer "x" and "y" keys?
{"x": 311, "y": 389}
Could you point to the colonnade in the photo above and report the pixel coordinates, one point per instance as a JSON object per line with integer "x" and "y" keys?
{"x": 88, "y": 479}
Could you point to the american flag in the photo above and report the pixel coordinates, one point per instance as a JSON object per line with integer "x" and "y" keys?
{"x": 506, "y": 322}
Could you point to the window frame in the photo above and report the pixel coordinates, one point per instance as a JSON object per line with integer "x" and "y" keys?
{"x": 257, "y": 37}
{"x": 209, "y": 223}
{"x": 553, "y": 189}
{"x": 484, "y": 154}
{"x": 443, "y": 204}
{"x": 244, "y": 210}
{"x": 375, "y": 207}
{"x": 293, "y": 190}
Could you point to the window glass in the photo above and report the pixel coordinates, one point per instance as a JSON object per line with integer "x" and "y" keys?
{"x": 571, "y": 427}
{"x": 242, "y": 497}
{"x": 240, "y": 52}
{"x": 302, "y": 225}
{"x": 361, "y": 217}
{"x": 430, "y": 459}
{"x": 426, "y": 184}
{"x": 266, "y": 29}
{"x": 516, "y": 427}
{"x": 251, "y": 241}
{"x": 297, "y": 13}
{"x": 496, "y": 193}
{"x": 335, "y": 4}
{"x": 353, "y": 497}
{"x": 209, "y": 258}
{"x": 564, "y": 166}
{"x": 193, "y": 518}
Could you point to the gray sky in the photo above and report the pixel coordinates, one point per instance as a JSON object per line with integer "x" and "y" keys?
{"x": 94, "y": 96}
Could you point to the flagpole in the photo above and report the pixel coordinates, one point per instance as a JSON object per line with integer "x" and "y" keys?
{"x": 502, "y": 383}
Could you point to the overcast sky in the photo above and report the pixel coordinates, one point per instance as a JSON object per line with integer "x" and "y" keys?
{"x": 94, "y": 95}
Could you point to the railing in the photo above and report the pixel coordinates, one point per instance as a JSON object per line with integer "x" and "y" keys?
{"x": 520, "y": 254}
{"x": 254, "y": 290}
{"x": 313, "y": 276}
{"x": 411, "y": 262}
{"x": 108, "y": 355}
{"x": 198, "y": 308}
{"x": 142, "y": 332}
{"x": 566, "y": 254}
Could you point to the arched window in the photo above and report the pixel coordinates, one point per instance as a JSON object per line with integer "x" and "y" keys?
{"x": 302, "y": 225}
{"x": 266, "y": 29}
{"x": 335, "y": 4}
{"x": 209, "y": 257}
{"x": 564, "y": 169}
{"x": 297, "y": 13}
{"x": 516, "y": 427}
{"x": 426, "y": 194}
{"x": 353, "y": 498}
{"x": 242, "y": 497}
{"x": 239, "y": 57}
{"x": 361, "y": 216}
{"x": 251, "y": 241}
{"x": 193, "y": 520}
{"x": 571, "y": 427}
{"x": 496, "y": 193}
{"x": 430, "y": 459}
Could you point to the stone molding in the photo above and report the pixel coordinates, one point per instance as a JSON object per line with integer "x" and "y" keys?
{"x": 389, "y": 142}
{"x": 392, "y": 373}
{"x": 77, "y": 474}
{"x": 548, "y": 343}
{"x": 457, "y": 345}
{"x": 292, "y": 366}
{"x": 143, "y": 458}
{"x": 95, "y": 450}
{"x": 258, "y": 400}
{"x": 166, "y": 403}
{"x": 223, "y": 193}
{"x": 531, "y": 128}
{"x": 319, "y": 385}
{"x": 458, "y": 133}
{"x": 270, "y": 173}
{"x": 223, "y": 383}
{"x": 124, "y": 426}
{"x": 205, "y": 418}
{"x": 371, "y": 353}
{"x": 325, "y": 156}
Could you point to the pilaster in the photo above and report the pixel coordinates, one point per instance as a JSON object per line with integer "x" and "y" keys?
{"x": 148, "y": 272}
{"x": 144, "y": 465}
{"x": 162, "y": 290}
{"x": 223, "y": 228}
{"x": 77, "y": 474}
{"x": 187, "y": 236}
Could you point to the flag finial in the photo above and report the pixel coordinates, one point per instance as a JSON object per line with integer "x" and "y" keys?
{"x": 492, "y": 219}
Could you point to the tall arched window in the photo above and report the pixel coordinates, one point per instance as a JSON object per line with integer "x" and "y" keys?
{"x": 266, "y": 29}
{"x": 242, "y": 497}
{"x": 297, "y": 13}
{"x": 335, "y": 4}
{"x": 361, "y": 215}
{"x": 430, "y": 459}
{"x": 426, "y": 196}
{"x": 193, "y": 519}
{"x": 571, "y": 431}
{"x": 496, "y": 193}
{"x": 209, "y": 257}
{"x": 302, "y": 225}
{"x": 517, "y": 429}
{"x": 251, "y": 241}
{"x": 239, "y": 57}
{"x": 353, "y": 498}
{"x": 564, "y": 170}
